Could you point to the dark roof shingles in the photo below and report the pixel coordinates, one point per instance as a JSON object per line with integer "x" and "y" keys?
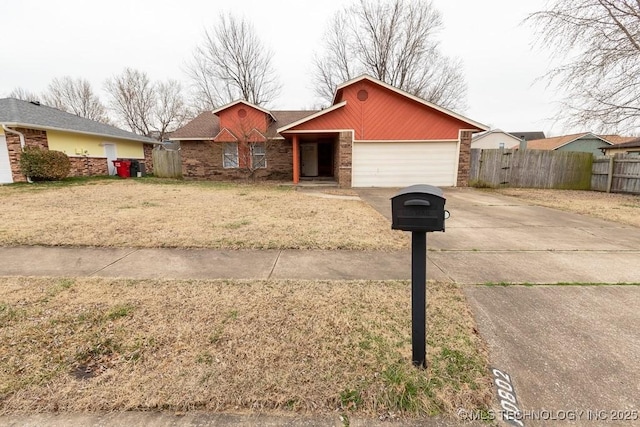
{"x": 207, "y": 125}
{"x": 630, "y": 144}
{"x": 204, "y": 126}
{"x": 528, "y": 136}
{"x": 16, "y": 111}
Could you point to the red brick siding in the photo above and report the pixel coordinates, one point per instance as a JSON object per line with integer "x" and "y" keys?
{"x": 345, "y": 148}
{"x": 88, "y": 166}
{"x": 464, "y": 163}
{"x": 279, "y": 161}
{"x": 197, "y": 159}
{"x": 203, "y": 160}
{"x": 32, "y": 138}
{"x": 148, "y": 158}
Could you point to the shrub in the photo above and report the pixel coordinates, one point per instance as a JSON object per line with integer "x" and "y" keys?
{"x": 44, "y": 165}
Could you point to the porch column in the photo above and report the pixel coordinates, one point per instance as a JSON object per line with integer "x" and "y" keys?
{"x": 296, "y": 159}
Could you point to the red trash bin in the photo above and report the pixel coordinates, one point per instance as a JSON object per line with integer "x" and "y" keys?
{"x": 123, "y": 168}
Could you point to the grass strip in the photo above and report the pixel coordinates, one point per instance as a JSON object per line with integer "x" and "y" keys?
{"x": 96, "y": 344}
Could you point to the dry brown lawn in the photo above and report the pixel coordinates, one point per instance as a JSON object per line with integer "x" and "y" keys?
{"x": 160, "y": 213}
{"x": 308, "y": 347}
{"x": 622, "y": 208}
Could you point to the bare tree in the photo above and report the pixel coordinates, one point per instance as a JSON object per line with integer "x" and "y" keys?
{"x": 23, "y": 94}
{"x": 132, "y": 100}
{"x": 75, "y": 96}
{"x": 144, "y": 107}
{"x": 335, "y": 66}
{"x": 393, "y": 41}
{"x": 231, "y": 64}
{"x": 253, "y": 147}
{"x": 170, "y": 111}
{"x": 598, "y": 43}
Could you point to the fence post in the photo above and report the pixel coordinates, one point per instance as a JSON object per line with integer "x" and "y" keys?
{"x": 610, "y": 174}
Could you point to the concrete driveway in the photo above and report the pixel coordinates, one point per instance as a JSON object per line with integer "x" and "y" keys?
{"x": 493, "y": 238}
{"x": 571, "y": 352}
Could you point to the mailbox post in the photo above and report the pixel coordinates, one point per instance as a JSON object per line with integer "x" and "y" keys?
{"x": 418, "y": 209}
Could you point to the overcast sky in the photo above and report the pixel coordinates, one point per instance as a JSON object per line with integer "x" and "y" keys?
{"x": 43, "y": 39}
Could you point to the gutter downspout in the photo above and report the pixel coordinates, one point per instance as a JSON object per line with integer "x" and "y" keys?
{"x": 22, "y": 143}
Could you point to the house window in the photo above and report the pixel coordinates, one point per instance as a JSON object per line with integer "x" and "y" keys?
{"x": 230, "y": 155}
{"x": 258, "y": 155}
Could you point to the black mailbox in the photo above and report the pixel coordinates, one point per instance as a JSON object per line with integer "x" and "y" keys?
{"x": 418, "y": 208}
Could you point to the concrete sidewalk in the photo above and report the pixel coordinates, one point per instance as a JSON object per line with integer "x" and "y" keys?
{"x": 203, "y": 263}
{"x": 459, "y": 266}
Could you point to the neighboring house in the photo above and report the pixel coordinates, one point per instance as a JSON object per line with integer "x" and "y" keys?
{"x": 583, "y": 142}
{"x": 632, "y": 147}
{"x": 374, "y": 135}
{"x": 528, "y": 136}
{"x": 91, "y": 146}
{"x": 494, "y": 138}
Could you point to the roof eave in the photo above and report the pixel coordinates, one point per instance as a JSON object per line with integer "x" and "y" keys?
{"x": 493, "y": 131}
{"x": 101, "y": 135}
{"x": 620, "y": 146}
{"x": 197, "y": 138}
{"x": 311, "y": 117}
{"x": 240, "y": 101}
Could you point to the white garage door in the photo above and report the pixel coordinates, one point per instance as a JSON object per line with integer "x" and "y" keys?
{"x": 400, "y": 164}
{"x": 5, "y": 166}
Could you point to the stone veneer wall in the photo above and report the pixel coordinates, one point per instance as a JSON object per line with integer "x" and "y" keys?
{"x": 345, "y": 147}
{"x": 464, "y": 163}
{"x": 203, "y": 160}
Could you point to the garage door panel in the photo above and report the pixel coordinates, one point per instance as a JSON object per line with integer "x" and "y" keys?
{"x": 398, "y": 164}
{"x": 5, "y": 164}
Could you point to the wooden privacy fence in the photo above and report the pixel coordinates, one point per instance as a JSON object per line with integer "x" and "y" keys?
{"x": 619, "y": 174}
{"x": 167, "y": 163}
{"x": 531, "y": 168}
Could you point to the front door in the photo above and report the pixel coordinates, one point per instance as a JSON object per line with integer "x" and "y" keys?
{"x": 6, "y": 177}
{"x": 309, "y": 159}
{"x": 111, "y": 155}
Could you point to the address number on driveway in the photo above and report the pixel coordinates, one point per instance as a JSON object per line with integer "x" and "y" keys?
{"x": 507, "y": 398}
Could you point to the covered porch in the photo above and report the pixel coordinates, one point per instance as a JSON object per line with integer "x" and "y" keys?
{"x": 317, "y": 157}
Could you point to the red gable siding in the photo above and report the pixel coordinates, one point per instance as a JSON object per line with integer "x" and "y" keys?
{"x": 386, "y": 115}
{"x": 241, "y": 127}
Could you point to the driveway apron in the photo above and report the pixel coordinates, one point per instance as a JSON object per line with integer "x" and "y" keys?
{"x": 570, "y": 351}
